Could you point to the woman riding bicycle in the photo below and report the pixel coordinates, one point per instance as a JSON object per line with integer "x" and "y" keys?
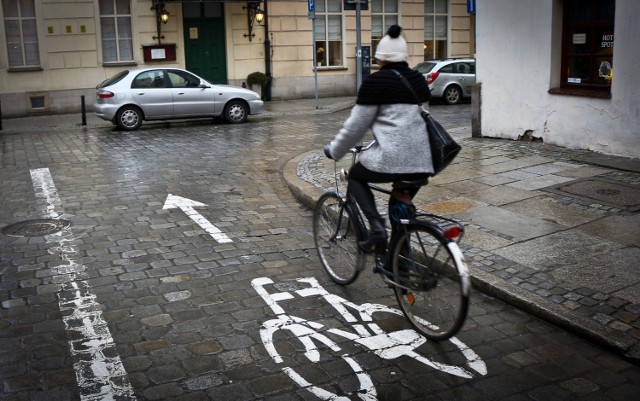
{"x": 401, "y": 150}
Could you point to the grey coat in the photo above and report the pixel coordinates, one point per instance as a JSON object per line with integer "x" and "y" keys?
{"x": 402, "y": 145}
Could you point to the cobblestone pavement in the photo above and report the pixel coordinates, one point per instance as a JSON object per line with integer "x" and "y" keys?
{"x": 137, "y": 299}
{"x": 547, "y": 229}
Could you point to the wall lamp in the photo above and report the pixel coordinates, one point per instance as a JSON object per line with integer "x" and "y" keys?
{"x": 254, "y": 13}
{"x": 162, "y": 16}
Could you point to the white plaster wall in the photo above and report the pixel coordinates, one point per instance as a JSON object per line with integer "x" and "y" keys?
{"x": 516, "y": 66}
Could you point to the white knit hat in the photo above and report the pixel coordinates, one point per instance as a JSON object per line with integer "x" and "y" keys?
{"x": 392, "y": 47}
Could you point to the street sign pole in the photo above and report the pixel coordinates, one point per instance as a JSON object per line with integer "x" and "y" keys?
{"x": 312, "y": 16}
{"x": 358, "y": 47}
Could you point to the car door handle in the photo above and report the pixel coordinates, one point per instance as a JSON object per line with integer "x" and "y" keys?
{"x": 180, "y": 93}
{"x": 140, "y": 93}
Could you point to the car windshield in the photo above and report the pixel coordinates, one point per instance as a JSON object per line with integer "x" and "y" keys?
{"x": 114, "y": 79}
{"x": 424, "y": 68}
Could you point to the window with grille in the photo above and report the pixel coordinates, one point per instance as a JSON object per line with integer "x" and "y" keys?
{"x": 384, "y": 13}
{"x": 328, "y": 25}
{"x": 115, "y": 24}
{"x": 436, "y": 16}
{"x": 21, "y": 32}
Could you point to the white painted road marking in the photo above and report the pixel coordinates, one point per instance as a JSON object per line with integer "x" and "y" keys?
{"x": 365, "y": 332}
{"x": 100, "y": 377}
{"x": 187, "y": 206}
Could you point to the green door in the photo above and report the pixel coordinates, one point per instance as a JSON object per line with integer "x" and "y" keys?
{"x": 204, "y": 48}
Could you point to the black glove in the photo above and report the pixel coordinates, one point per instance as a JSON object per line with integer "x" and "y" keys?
{"x": 327, "y": 152}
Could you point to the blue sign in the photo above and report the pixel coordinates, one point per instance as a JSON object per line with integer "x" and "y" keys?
{"x": 471, "y": 6}
{"x": 312, "y": 5}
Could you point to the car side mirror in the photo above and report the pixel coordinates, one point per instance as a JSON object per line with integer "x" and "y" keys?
{"x": 203, "y": 85}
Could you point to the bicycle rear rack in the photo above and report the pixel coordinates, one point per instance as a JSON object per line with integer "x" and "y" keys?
{"x": 451, "y": 229}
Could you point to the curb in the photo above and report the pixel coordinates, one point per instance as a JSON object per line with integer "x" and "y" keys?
{"x": 615, "y": 341}
{"x": 97, "y": 123}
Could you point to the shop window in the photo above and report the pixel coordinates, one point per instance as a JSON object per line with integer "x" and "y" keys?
{"x": 115, "y": 24}
{"x": 21, "y": 33}
{"x": 328, "y": 24}
{"x": 436, "y": 15}
{"x": 384, "y": 13}
{"x": 587, "y": 45}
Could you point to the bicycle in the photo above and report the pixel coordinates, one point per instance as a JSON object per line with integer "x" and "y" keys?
{"x": 424, "y": 264}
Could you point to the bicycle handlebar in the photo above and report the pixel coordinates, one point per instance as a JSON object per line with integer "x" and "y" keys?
{"x": 359, "y": 148}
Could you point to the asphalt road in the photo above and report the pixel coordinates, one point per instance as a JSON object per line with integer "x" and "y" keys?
{"x": 189, "y": 273}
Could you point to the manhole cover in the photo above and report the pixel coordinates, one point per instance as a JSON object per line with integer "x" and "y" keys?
{"x": 35, "y": 228}
{"x": 606, "y": 192}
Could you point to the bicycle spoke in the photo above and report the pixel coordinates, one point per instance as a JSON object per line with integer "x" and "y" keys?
{"x": 430, "y": 284}
{"x": 336, "y": 240}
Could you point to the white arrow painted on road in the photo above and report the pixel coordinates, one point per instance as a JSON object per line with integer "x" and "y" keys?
{"x": 187, "y": 206}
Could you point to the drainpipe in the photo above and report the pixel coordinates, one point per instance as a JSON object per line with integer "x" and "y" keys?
{"x": 267, "y": 53}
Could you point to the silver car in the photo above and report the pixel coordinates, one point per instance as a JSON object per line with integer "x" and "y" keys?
{"x": 450, "y": 79}
{"x": 131, "y": 96}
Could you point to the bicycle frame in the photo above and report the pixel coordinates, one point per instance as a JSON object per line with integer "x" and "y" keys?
{"x": 445, "y": 229}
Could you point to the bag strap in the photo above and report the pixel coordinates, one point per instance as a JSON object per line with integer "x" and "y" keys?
{"x": 408, "y": 85}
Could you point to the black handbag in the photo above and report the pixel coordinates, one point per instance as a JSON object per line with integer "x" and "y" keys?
{"x": 443, "y": 147}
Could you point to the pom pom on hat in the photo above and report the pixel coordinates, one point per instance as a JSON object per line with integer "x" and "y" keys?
{"x": 393, "y": 47}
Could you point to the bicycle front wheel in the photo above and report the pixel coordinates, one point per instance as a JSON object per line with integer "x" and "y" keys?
{"x": 432, "y": 282}
{"x": 335, "y": 238}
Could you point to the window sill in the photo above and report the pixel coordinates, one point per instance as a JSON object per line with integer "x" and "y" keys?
{"x": 581, "y": 92}
{"x": 337, "y": 68}
{"x": 23, "y": 69}
{"x": 119, "y": 64}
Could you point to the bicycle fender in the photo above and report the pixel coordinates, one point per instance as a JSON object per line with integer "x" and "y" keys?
{"x": 464, "y": 270}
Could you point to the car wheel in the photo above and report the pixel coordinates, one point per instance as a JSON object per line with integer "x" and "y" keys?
{"x": 452, "y": 95}
{"x": 236, "y": 112}
{"x": 129, "y": 118}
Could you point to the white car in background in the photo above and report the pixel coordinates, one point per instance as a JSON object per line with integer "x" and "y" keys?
{"x": 154, "y": 93}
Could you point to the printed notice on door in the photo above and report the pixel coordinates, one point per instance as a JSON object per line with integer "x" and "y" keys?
{"x": 193, "y": 33}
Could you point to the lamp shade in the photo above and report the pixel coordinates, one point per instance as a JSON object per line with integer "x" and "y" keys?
{"x": 259, "y": 16}
{"x": 164, "y": 16}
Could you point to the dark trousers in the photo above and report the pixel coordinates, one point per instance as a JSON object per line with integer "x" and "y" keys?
{"x": 358, "y": 186}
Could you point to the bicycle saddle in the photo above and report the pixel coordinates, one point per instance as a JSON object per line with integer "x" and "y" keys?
{"x": 406, "y": 184}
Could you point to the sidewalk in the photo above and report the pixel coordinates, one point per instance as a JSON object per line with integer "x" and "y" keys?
{"x": 552, "y": 231}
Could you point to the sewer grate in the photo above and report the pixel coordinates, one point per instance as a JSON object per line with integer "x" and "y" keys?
{"x": 35, "y": 228}
{"x": 604, "y": 191}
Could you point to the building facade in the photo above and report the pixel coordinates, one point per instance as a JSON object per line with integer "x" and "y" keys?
{"x": 549, "y": 69}
{"x": 53, "y": 52}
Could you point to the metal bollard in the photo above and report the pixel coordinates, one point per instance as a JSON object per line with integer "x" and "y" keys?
{"x": 84, "y": 112}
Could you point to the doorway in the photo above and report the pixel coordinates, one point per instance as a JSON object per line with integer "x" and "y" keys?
{"x": 204, "y": 40}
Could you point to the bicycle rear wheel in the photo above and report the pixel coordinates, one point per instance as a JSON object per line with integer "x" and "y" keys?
{"x": 335, "y": 238}
{"x": 432, "y": 282}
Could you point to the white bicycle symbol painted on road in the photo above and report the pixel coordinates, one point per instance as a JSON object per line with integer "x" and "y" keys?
{"x": 365, "y": 332}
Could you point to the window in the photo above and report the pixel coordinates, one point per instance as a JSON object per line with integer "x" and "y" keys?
{"x": 587, "y": 45}
{"x": 435, "y": 29}
{"x": 149, "y": 79}
{"x": 115, "y": 21}
{"x": 181, "y": 79}
{"x": 21, "y": 32}
{"x": 384, "y": 13}
{"x": 328, "y": 25}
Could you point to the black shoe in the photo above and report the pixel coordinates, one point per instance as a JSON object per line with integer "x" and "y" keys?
{"x": 377, "y": 240}
{"x": 380, "y": 263}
